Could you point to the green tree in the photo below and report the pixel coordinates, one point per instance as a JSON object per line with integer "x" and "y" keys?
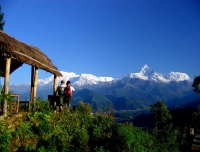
{"x": 196, "y": 84}
{"x": 196, "y": 120}
{"x": 2, "y": 21}
{"x": 196, "y": 114}
{"x": 161, "y": 112}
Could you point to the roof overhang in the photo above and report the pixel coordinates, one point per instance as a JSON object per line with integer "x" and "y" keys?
{"x": 23, "y": 53}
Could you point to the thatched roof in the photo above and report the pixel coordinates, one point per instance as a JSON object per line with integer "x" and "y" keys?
{"x": 23, "y": 53}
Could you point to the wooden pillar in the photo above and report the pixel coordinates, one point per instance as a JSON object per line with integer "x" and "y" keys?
{"x": 6, "y": 84}
{"x": 35, "y": 85}
{"x": 54, "y": 84}
{"x": 54, "y": 91}
{"x": 32, "y": 79}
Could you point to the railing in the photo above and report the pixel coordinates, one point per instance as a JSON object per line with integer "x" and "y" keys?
{"x": 15, "y": 105}
{"x": 26, "y": 104}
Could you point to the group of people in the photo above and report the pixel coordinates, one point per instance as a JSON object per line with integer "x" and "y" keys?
{"x": 65, "y": 95}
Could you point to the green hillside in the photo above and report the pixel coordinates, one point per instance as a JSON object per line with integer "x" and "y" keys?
{"x": 78, "y": 130}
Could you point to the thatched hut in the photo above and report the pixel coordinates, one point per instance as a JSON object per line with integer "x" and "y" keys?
{"x": 13, "y": 54}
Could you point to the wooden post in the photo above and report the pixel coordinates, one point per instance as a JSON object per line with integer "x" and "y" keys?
{"x": 54, "y": 84}
{"x": 54, "y": 90}
{"x": 6, "y": 84}
{"x": 31, "y": 91}
{"x": 35, "y": 85}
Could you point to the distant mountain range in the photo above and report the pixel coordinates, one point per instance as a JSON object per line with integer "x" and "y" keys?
{"x": 88, "y": 79}
{"x": 134, "y": 91}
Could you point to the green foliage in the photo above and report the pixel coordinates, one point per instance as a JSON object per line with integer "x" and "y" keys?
{"x": 169, "y": 139}
{"x": 2, "y": 22}
{"x": 23, "y": 135}
{"x": 161, "y": 113}
{"x": 130, "y": 138}
{"x": 85, "y": 108}
{"x": 196, "y": 120}
{"x": 42, "y": 106}
{"x": 196, "y": 84}
{"x": 5, "y": 137}
{"x": 99, "y": 149}
{"x": 79, "y": 130}
{"x": 6, "y": 97}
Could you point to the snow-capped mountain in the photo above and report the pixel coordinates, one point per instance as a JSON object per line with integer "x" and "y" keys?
{"x": 88, "y": 79}
{"x": 66, "y": 76}
{"x": 133, "y": 91}
{"x": 147, "y": 74}
{"x": 79, "y": 80}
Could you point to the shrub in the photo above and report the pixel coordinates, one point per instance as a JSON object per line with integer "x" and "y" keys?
{"x": 5, "y": 137}
{"x": 6, "y": 97}
{"x": 127, "y": 138}
{"x": 169, "y": 139}
{"x": 43, "y": 130}
{"x": 42, "y": 106}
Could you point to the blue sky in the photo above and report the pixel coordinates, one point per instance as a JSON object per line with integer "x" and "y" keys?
{"x": 107, "y": 37}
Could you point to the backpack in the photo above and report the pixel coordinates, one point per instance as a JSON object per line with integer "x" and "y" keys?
{"x": 67, "y": 91}
{"x": 61, "y": 90}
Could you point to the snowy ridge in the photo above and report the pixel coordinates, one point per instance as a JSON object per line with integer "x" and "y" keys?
{"x": 88, "y": 79}
{"x": 147, "y": 74}
{"x": 49, "y": 80}
{"x": 80, "y": 80}
{"x": 66, "y": 76}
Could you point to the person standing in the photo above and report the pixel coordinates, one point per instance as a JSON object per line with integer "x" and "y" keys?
{"x": 68, "y": 94}
{"x": 60, "y": 93}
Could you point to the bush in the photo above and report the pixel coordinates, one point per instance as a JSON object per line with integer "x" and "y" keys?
{"x": 169, "y": 139}
{"x": 5, "y": 137}
{"x": 127, "y": 138}
{"x": 6, "y": 97}
{"x": 42, "y": 106}
{"x": 43, "y": 130}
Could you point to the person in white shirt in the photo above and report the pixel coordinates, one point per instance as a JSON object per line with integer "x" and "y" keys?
{"x": 68, "y": 94}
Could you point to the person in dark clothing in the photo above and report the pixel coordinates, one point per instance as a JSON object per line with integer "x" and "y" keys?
{"x": 60, "y": 93}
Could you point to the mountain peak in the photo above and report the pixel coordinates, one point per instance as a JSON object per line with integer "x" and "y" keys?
{"x": 147, "y": 74}
{"x": 146, "y": 71}
{"x": 145, "y": 66}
